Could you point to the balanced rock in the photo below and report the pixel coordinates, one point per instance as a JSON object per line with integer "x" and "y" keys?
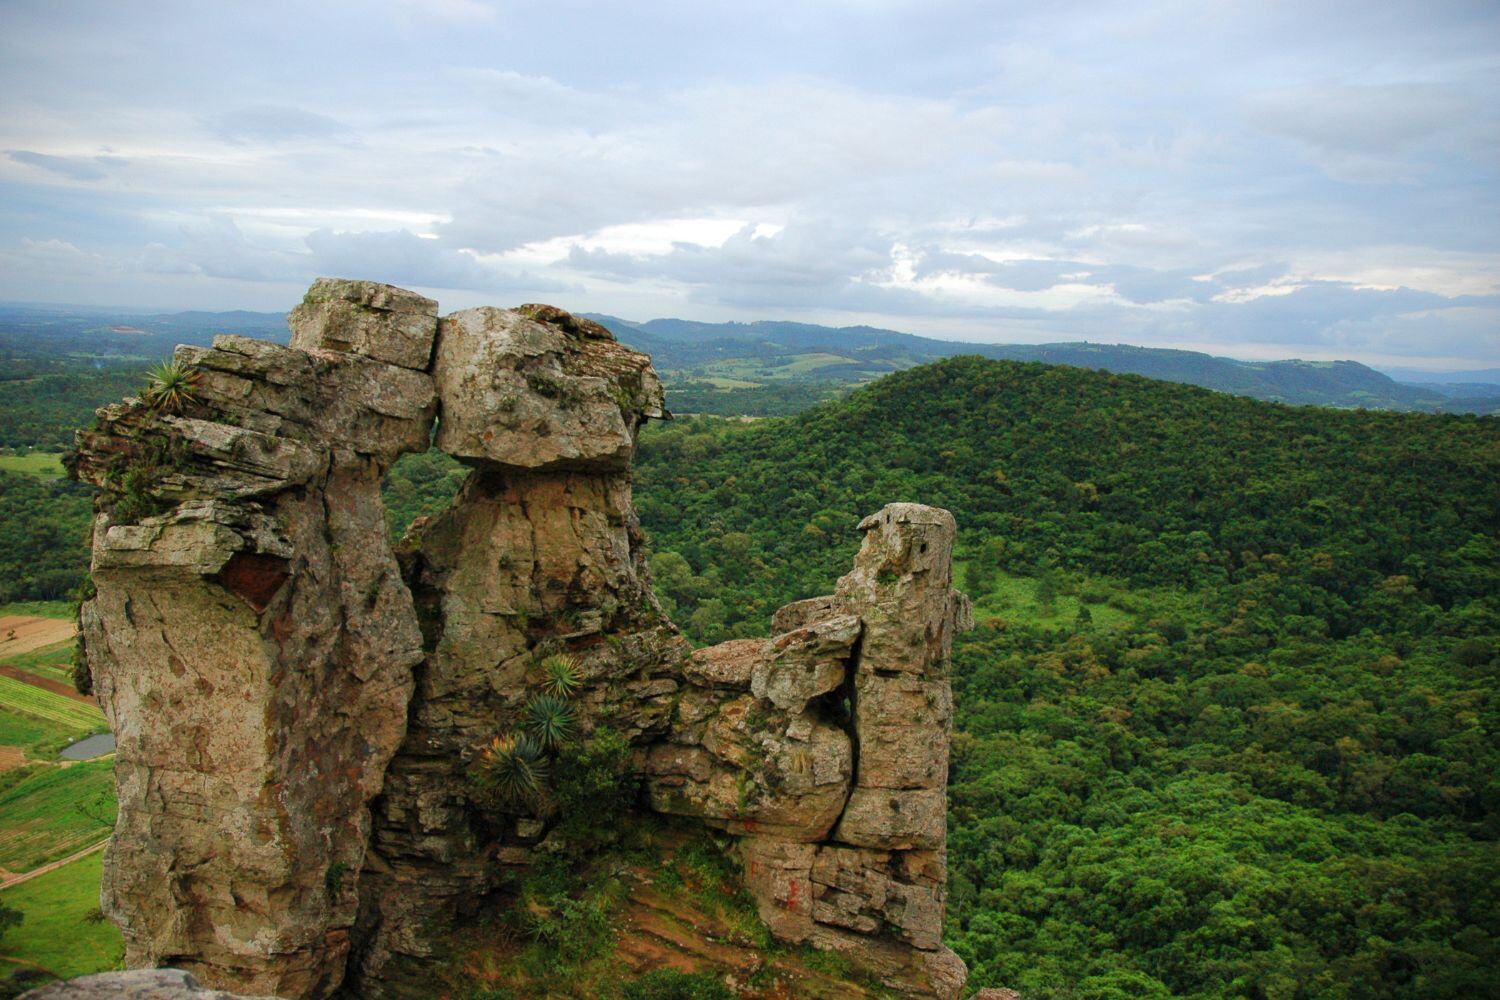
{"x": 522, "y": 388}
{"x": 365, "y": 317}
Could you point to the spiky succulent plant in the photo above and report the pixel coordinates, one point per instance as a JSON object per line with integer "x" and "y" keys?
{"x": 170, "y": 386}
{"x": 560, "y": 675}
{"x": 549, "y": 720}
{"x": 514, "y": 768}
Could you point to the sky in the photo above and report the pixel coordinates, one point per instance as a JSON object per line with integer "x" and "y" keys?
{"x": 1259, "y": 180}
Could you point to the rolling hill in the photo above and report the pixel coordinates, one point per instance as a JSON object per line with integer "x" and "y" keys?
{"x": 774, "y": 351}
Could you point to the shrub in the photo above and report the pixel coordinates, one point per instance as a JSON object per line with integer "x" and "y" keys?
{"x": 550, "y": 721}
{"x": 510, "y": 772}
{"x": 593, "y": 780}
{"x": 171, "y": 386}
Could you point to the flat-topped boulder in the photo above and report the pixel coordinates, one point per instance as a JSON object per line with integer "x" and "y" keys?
{"x": 378, "y": 321}
{"x": 534, "y": 388}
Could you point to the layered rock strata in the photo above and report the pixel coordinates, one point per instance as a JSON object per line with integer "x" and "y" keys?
{"x": 297, "y": 703}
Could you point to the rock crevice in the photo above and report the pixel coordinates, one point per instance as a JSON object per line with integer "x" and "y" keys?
{"x": 297, "y": 702}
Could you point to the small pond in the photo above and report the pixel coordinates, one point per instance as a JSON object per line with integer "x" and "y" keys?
{"x": 89, "y": 747}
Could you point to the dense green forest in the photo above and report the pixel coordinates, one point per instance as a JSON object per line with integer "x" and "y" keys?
{"x": 42, "y": 412}
{"x": 44, "y": 531}
{"x": 1227, "y": 725}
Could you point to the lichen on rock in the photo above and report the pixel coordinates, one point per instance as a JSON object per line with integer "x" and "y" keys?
{"x": 298, "y": 704}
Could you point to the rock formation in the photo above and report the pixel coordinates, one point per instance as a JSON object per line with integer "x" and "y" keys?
{"x": 297, "y": 704}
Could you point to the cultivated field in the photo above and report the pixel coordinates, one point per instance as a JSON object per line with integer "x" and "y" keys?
{"x": 23, "y": 633}
{"x": 39, "y": 703}
{"x": 53, "y": 811}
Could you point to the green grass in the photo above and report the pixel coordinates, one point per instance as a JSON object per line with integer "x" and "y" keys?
{"x": 40, "y": 740}
{"x": 801, "y": 364}
{"x": 54, "y": 662}
{"x": 60, "y": 930}
{"x": 728, "y": 383}
{"x": 47, "y": 464}
{"x": 48, "y": 812}
{"x": 1015, "y": 598}
{"x": 18, "y": 696}
{"x": 38, "y": 609}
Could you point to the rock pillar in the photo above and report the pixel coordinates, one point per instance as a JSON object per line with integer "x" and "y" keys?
{"x": 252, "y": 643}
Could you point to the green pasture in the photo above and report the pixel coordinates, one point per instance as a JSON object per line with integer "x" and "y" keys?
{"x": 38, "y": 738}
{"x": 38, "y": 609}
{"x": 62, "y": 932}
{"x": 54, "y": 662}
{"x": 48, "y": 812}
{"x": 1056, "y": 605}
{"x": 37, "y": 463}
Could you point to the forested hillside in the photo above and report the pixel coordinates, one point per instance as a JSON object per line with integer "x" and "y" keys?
{"x": 741, "y": 360}
{"x": 1227, "y": 725}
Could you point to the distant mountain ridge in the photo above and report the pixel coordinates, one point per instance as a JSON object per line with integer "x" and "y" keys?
{"x": 870, "y": 351}
{"x": 730, "y": 356}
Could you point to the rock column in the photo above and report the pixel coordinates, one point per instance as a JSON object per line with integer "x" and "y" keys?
{"x": 825, "y": 748}
{"x": 251, "y": 640}
{"x": 539, "y": 554}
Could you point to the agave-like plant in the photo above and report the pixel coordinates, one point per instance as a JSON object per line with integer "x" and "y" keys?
{"x": 514, "y": 767}
{"x": 550, "y": 720}
{"x": 560, "y": 675}
{"x": 170, "y": 386}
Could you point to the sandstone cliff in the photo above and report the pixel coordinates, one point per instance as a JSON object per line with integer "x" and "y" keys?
{"x": 299, "y": 705}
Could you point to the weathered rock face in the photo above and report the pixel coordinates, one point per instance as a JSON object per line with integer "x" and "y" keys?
{"x": 252, "y": 645}
{"x": 540, "y": 395}
{"x": 297, "y": 705}
{"x": 523, "y": 562}
{"x": 863, "y": 870}
{"x": 379, "y": 321}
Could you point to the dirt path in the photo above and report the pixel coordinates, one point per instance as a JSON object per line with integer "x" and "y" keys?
{"x": 52, "y": 866}
{"x": 46, "y": 684}
{"x": 23, "y": 633}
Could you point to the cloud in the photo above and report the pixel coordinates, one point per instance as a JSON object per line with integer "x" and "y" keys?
{"x": 77, "y": 168}
{"x": 1371, "y": 118}
{"x": 1246, "y": 177}
{"x": 1368, "y": 132}
{"x": 401, "y": 257}
{"x": 273, "y": 124}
